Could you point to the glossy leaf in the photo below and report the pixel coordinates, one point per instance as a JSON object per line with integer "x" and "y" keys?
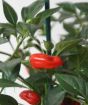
{"x": 70, "y": 29}
{"x": 84, "y": 32}
{"x": 82, "y": 6}
{"x": 37, "y": 80}
{"x": 84, "y": 57}
{"x": 65, "y": 44}
{"x": 3, "y": 40}
{"x": 30, "y": 11}
{"x": 84, "y": 73}
{"x": 48, "y": 45}
{"x": 43, "y": 15}
{"x": 68, "y": 7}
{"x": 65, "y": 15}
{"x": 24, "y": 28}
{"x": 11, "y": 68}
{"x": 6, "y": 25}
{"x": 73, "y": 84}
{"x": 7, "y": 100}
{"x": 8, "y": 83}
{"x": 35, "y": 77}
{"x": 56, "y": 95}
{"x": 37, "y": 47}
{"x": 10, "y": 13}
{"x": 1, "y": 30}
{"x": 33, "y": 28}
{"x": 8, "y": 30}
{"x": 79, "y": 61}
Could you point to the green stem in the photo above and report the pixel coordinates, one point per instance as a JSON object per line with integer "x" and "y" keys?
{"x": 1, "y": 90}
{"x": 26, "y": 83}
{"x": 42, "y": 103}
{"x": 16, "y": 48}
{"x": 2, "y": 87}
{"x": 5, "y": 53}
{"x": 11, "y": 45}
{"x": 78, "y": 18}
{"x": 45, "y": 89}
{"x": 48, "y": 27}
{"x": 78, "y": 66}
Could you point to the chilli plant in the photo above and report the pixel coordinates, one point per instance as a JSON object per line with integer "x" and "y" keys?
{"x": 58, "y": 74}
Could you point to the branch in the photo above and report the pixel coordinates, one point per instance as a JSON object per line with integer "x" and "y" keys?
{"x": 26, "y": 83}
{"x": 2, "y": 90}
{"x": 17, "y": 48}
{"x": 11, "y": 45}
{"x": 5, "y": 53}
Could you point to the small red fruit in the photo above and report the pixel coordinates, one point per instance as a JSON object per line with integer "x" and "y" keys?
{"x": 69, "y": 101}
{"x": 44, "y": 61}
{"x": 31, "y": 97}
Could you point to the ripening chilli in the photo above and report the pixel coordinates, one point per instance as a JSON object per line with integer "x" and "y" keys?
{"x": 44, "y": 61}
{"x": 31, "y": 97}
{"x": 69, "y": 101}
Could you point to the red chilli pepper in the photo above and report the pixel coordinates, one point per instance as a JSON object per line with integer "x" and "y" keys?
{"x": 31, "y": 97}
{"x": 69, "y": 101}
{"x": 44, "y": 61}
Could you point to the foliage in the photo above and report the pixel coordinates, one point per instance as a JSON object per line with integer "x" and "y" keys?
{"x": 71, "y": 79}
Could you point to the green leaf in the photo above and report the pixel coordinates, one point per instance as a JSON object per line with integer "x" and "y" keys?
{"x": 73, "y": 84}
{"x": 1, "y": 30}
{"x": 84, "y": 73}
{"x": 82, "y": 6}
{"x": 24, "y": 28}
{"x": 68, "y": 7}
{"x": 33, "y": 28}
{"x": 7, "y": 100}
{"x": 84, "y": 57}
{"x": 48, "y": 45}
{"x": 8, "y": 83}
{"x": 37, "y": 80}
{"x": 10, "y": 13}
{"x": 69, "y": 53}
{"x": 8, "y": 32}
{"x": 43, "y": 15}
{"x": 6, "y": 25}
{"x": 84, "y": 32}
{"x": 8, "y": 29}
{"x": 3, "y": 40}
{"x": 33, "y": 45}
{"x": 79, "y": 61}
{"x": 56, "y": 95}
{"x": 35, "y": 77}
{"x": 70, "y": 29}
{"x": 65, "y": 44}
{"x": 30, "y": 11}
{"x": 65, "y": 15}
{"x": 11, "y": 68}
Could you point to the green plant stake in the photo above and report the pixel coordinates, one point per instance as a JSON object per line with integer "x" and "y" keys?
{"x": 47, "y": 22}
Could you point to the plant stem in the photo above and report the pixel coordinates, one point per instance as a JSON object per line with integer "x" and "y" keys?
{"x": 5, "y": 53}
{"x": 26, "y": 83}
{"x": 16, "y": 48}
{"x": 48, "y": 27}
{"x": 11, "y": 45}
{"x": 42, "y": 103}
{"x": 80, "y": 22}
{"x": 1, "y": 90}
